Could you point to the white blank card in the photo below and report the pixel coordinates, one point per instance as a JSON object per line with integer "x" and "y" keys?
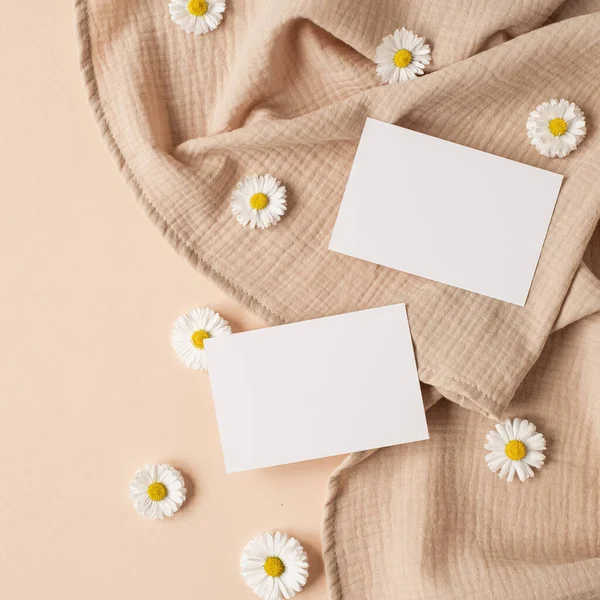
{"x": 445, "y": 212}
{"x": 316, "y": 388}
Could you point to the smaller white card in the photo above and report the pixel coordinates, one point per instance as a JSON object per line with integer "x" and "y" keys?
{"x": 445, "y": 212}
{"x": 316, "y": 388}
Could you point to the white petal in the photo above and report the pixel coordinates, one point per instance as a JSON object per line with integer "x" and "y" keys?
{"x": 505, "y": 468}
{"x": 535, "y": 459}
{"x": 536, "y": 442}
{"x": 520, "y": 470}
{"x": 496, "y": 460}
{"x": 389, "y": 43}
{"x": 399, "y": 38}
{"x": 527, "y": 468}
{"x": 501, "y": 430}
{"x": 494, "y": 442}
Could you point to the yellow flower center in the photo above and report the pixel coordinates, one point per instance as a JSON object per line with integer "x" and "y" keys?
{"x": 557, "y": 127}
{"x": 402, "y": 58}
{"x": 157, "y": 491}
{"x": 259, "y": 201}
{"x": 515, "y": 450}
{"x": 274, "y": 566}
{"x": 198, "y": 7}
{"x": 198, "y": 338}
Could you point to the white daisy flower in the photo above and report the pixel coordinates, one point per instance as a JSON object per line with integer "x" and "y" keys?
{"x": 275, "y": 566}
{"x": 259, "y": 200}
{"x": 402, "y": 56}
{"x": 515, "y": 447}
{"x": 556, "y": 127}
{"x": 197, "y": 16}
{"x": 190, "y": 331}
{"x": 157, "y": 491}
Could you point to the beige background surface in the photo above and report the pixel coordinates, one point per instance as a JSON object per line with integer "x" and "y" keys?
{"x": 90, "y": 389}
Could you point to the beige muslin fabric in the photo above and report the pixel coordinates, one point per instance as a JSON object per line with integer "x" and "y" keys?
{"x": 284, "y": 87}
{"x": 428, "y": 520}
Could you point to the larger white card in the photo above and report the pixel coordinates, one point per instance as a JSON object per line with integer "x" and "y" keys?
{"x": 445, "y": 212}
{"x": 316, "y": 388}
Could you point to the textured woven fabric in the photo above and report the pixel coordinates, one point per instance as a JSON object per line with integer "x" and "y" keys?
{"x": 284, "y": 87}
{"x": 429, "y": 520}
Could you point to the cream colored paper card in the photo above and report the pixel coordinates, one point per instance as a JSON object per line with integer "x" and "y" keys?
{"x": 445, "y": 212}
{"x": 316, "y": 388}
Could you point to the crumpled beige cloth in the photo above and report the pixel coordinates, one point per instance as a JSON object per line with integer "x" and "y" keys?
{"x": 284, "y": 86}
{"x": 428, "y": 520}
